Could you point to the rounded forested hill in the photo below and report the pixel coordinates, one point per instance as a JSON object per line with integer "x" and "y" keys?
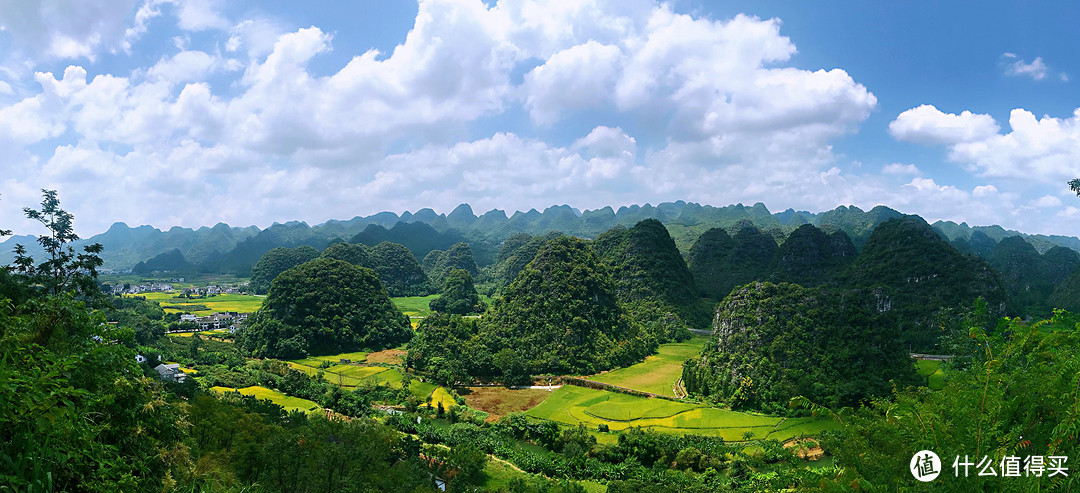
{"x": 772, "y": 342}
{"x": 811, "y": 257}
{"x": 276, "y": 261}
{"x": 719, "y": 265}
{"x": 399, "y": 270}
{"x": 561, "y": 315}
{"x": 922, "y": 274}
{"x": 324, "y": 306}
{"x": 438, "y": 263}
{"x": 458, "y": 295}
{"x": 706, "y": 261}
{"x": 515, "y": 254}
{"x": 647, "y": 266}
{"x": 355, "y": 253}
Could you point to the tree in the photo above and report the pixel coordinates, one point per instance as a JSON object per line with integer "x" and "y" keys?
{"x": 64, "y": 270}
{"x": 1074, "y": 184}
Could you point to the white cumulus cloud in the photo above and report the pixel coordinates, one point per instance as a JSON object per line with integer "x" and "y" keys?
{"x": 928, "y": 125}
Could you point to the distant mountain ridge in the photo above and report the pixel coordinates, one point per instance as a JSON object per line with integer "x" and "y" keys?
{"x": 224, "y": 248}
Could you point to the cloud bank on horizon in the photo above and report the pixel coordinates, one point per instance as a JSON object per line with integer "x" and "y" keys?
{"x": 191, "y": 112}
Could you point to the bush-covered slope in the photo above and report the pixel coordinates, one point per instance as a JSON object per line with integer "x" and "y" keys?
{"x": 561, "y": 315}
{"x": 438, "y": 263}
{"x": 399, "y": 270}
{"x": 458, "y": 295}
{"x": 718, "y": 265}
{"x": 811, "y": 257}
{"x": 275, "y": 262}
{"x": 922, "y": 274}
{"x": 647, "y": 267}
{"x": 772, "y": 342}
{"x": 356, "y": 254}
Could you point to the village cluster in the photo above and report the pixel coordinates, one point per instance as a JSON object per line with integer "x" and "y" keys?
{"x": 161, "y": 287}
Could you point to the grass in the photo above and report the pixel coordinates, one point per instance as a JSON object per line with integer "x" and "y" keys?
{"x": 421, "y": 390}
{"x": 658, "y": 373}
{"x": 285, "y": 401}
{"x": 500, "y": 401}
{"x": 240, "y": 303}
{"x": 572, "y": 405}
{"x": 932, "y": 372}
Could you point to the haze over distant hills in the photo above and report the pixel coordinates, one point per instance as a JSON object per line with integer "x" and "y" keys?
{"x": 227, "y": 249}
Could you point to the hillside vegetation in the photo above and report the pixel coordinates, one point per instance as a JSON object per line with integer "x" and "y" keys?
{"x": 773, "y": 342}
{"x": 324, "y": 306}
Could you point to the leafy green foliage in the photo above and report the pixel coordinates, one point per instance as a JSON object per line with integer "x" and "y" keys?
{"x": 856, "y": 223}
{"x": 324, "y": 306}
{"x": 275, "y": 262}
{"x": 61, "y": 391}
{"x": 774, "y": 342}
{"x": 399, "y": 270}
{"x": 419, "y": 237}
{"x": 448, "y": 347}
{"x": 63, "y": 270}
{"x": 706, "y": 262}
{"x": 458, "y": 295}
{"x": 1015, "y": 397}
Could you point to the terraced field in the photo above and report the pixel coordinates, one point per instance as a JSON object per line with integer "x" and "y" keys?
{"x": 658, "y": 373}
{"x": 572, "y": 405}
{"x": 287, "y": 402}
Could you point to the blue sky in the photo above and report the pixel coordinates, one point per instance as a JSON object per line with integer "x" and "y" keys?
{"x": 191, "y": 112}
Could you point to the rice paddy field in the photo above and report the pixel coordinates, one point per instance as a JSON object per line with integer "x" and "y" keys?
{"x": 417, "y": 306}
{"x": 932, "y": 372}
{"x": 572, "y": 405}
{"x": 414, "y": 306}
{"x": 240, "y": 303}
{"x": 442, "y": 396}
{"x": 658, "y": 373}
{"x": 351, "y": 376}
{"x": 287, "y": 402}
{"x": 355, "y": 357}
